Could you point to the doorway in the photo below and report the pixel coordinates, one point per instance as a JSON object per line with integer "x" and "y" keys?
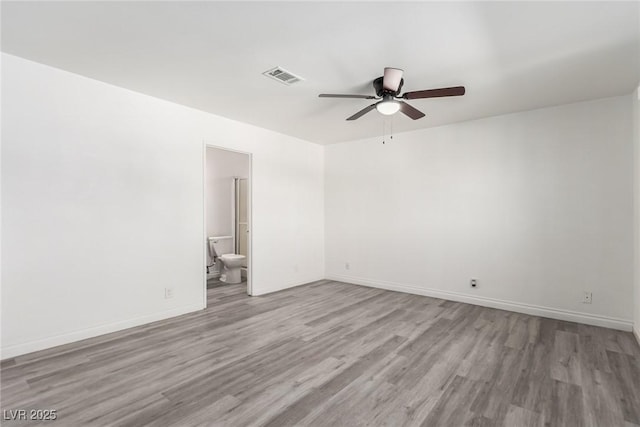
{"x": 227, "y": 221}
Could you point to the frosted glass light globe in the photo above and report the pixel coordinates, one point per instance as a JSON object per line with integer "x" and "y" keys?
{"x": 388, "y": 107}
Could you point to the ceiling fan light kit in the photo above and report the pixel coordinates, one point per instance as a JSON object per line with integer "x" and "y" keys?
{"x": 390, "y": 101}
{"x": 388, "y": 106}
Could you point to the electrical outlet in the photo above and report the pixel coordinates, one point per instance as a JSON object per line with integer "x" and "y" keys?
{"x": 474, "y": 283}
{"x": 168, "y": 293}
{"x": 587, "y": 297}
{"x": 347, "y": 266}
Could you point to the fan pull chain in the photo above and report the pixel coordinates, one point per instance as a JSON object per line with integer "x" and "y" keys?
{"x": 384, "y": 129}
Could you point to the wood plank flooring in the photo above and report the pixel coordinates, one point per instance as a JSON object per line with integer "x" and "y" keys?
{"x": 334, "y": 354}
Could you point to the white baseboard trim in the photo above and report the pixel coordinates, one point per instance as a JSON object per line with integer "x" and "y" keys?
{"x": 43, "y": 344}
{"x": 535, "y": 310}
{"x": 265, "y": 291}
{"x": 636, "y": 332}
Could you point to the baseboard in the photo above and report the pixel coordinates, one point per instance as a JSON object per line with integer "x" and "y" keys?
{"x": 636, "y": 332}
{"x": 535, "y": 310}
{"x": 29, "y": 347}
{"x": 265, "y": 291}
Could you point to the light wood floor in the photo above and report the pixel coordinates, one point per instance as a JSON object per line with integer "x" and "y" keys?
{"x": 333, "y": 354}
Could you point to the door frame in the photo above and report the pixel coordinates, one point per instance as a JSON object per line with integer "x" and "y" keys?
{"x": 206, "y": 145}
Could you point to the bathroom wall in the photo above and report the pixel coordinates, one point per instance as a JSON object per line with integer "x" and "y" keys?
{"x": 102, "y": 206}
{"x": 222, "y": 166}
{"x": 635, "y": 99}
{"x": 537, "y": 206}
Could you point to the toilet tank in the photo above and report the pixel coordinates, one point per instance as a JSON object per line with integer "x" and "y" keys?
{"x": 221, "y": 244}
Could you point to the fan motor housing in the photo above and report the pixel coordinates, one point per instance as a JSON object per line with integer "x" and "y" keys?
{"x": 377, "y": 85}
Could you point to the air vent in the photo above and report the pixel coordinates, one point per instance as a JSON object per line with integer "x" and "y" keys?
{"x": 283, "y": 76}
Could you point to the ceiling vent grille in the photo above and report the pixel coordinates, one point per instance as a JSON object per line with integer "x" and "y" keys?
{"x": 283, "y": 76}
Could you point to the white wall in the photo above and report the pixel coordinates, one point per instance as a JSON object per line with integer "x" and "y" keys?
{"x": 538, "y": 206}
{"x": 102, "y": 206}
{"x": 635, "y": 99}
{"x": 222, "y": 167}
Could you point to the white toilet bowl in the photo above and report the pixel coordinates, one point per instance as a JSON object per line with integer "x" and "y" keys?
{"x": 232, "y": 268}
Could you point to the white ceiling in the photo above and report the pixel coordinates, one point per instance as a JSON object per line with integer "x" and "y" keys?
{"x": 511, "y": 56}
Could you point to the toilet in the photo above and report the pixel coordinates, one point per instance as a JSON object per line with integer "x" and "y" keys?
{"x": 222, "y": 249}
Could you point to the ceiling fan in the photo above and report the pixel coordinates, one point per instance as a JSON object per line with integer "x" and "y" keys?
{"x": 390, "y": 101}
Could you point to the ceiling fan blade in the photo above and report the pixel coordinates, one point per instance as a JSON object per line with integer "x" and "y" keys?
{"x": 362, "y": 112}
{"x": 392, "y": 78}
{"x": 435, "y": 93}
{"x": 408, "y": 110}
{"x": 332, "y": 95}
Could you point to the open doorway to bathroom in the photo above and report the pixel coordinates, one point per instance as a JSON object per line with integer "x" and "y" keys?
{"x": 227, "y": 197}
